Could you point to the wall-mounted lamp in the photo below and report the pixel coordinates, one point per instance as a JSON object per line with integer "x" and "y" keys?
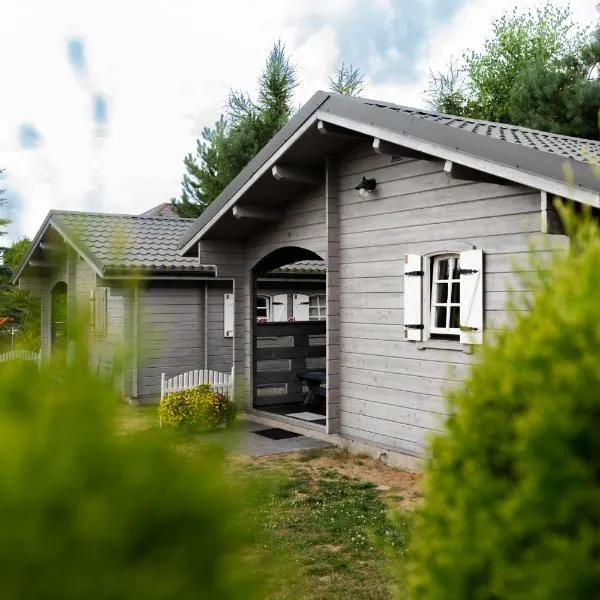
{"x": 366, "y": 186}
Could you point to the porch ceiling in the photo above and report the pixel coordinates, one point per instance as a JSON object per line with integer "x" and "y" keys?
{"x": 309, "y": 151}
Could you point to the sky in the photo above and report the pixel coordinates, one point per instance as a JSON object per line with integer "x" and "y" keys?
{"x": 102, "y": 99}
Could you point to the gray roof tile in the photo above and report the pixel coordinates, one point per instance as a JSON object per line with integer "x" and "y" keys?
{"x": 563, "y": 145}
{"x": 303, "y": 266}
{"x": 122, "y": 242}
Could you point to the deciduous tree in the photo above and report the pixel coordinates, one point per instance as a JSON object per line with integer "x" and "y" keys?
{"x": 538, "y": 69}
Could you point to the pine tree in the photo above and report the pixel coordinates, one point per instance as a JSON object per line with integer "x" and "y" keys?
{"x": 348, "y": 80}
{"x": 225, "y": 149}
{"x": 245, "y": 128}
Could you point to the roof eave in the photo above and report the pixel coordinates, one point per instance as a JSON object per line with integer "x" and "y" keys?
{"x": 526, "y": 166}
{"x": 34, "y": 244}
{"x": 519, "y": 164}
{"x": 140, "y": 272}
{"x": 69, "y": 237}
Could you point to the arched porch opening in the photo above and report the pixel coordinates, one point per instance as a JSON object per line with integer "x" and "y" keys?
{"x": 289, "y": 325}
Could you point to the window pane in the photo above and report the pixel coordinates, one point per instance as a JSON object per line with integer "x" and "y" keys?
{"x": 455, "y": 292}
{"x": 440, "y": 316}
{"x": 456, "y": 267}
{"x": 442, "y": 292}
{"x": 443, "y": 269}
{"x": 455, "y": 317}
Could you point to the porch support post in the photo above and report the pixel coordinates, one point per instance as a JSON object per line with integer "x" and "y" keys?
{"x": 332, "y": 218}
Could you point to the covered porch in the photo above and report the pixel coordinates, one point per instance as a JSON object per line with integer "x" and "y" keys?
{"x": 289, "y": 374}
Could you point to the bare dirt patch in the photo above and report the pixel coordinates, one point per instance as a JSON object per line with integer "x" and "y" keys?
{"x": 400, "y": 488}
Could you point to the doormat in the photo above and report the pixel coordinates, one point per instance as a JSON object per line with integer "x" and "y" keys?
{"x": 275, "y": 433}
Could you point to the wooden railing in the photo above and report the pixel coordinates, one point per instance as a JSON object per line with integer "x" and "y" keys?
{"x": 281, "y": 351}
{"x": 220, "y": 382}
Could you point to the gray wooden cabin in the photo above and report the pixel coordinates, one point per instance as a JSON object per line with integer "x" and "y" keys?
{"x": 143, "y": 302}
{"x": 420, "y": 218}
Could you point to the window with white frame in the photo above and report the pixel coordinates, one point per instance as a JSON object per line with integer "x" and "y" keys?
{"x": 317, "y": 307}
{"x": 263, "y": 309}
{"x": 445, "y": 295}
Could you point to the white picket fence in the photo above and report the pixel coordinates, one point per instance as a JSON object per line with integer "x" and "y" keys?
{"x": 20, "y": 355}
{"x": 220, "y": 382}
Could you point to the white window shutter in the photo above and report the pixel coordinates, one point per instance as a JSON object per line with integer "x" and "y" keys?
{"x": 228, "y": 315}
{"x": 280, "y": 310}
{"x": 100, "y": 317}
{"x": 300, "y": 306}
{"x": 92, "y": 310}
{"x": 471, "y": 297}
{"x": 413, "y": 297}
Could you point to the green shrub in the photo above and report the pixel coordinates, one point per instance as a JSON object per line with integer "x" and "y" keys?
{"x": 88, "y": 511}
{"x": 512, "y": 494}
{"x": 196, "y": 408}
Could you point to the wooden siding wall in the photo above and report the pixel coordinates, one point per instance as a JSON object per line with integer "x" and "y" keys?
{"x": 171, "y": 333}
{"x": 219, "y": 347}
{"x": 391, "y": 392}
{"x": 228, "y": 258}
{"x": 302, "y": 226}
{"x": 80, "y": 279}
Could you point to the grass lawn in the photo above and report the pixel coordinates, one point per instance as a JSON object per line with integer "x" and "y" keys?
{"x": 328, "y": 525}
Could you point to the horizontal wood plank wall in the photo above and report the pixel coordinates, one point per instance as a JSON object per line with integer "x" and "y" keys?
{"x": 105, "y": 348}
{"x": 229, "y": 259}
{"x": 304, "y": 226}
{"x": 171, "y": 333}
{"x": 219, "y": 348}
{"x": 391, "y": 393}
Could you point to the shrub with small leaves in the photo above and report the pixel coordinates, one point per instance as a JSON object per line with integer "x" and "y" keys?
{"x": 88, "y": 510}
{"x": 200, "y": 407}
{"x": 512, "y": 495}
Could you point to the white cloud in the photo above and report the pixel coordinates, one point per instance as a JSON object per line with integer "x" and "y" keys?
{"x": 165, "y": 68}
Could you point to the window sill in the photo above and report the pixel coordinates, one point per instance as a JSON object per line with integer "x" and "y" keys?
{"x": 433, "y": 344}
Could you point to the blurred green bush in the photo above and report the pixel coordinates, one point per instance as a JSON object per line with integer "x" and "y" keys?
{"x": 87, "y": 511}
{"x": 512, "y": 495}
{"x": 196, "y": 408}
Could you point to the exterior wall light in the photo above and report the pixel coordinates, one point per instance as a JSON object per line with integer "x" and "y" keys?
{"x": 366, "y": 186}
